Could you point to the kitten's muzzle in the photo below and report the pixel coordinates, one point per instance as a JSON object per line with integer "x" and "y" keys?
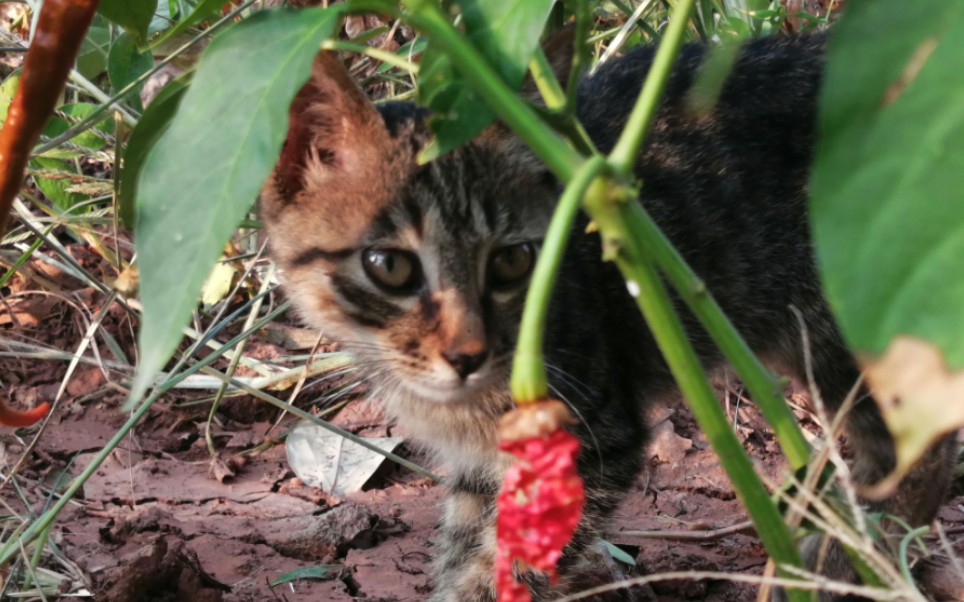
{"x": 465, "y": 363}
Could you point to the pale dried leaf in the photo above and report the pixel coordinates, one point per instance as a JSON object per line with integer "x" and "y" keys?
{"x": 218, "y": 284}
{"x": 920, "y": 398}
{"x": 323, "y": 459}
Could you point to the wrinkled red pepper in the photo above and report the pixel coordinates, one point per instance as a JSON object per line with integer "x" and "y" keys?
{"x": 542, "y": 496}
{"x": 61, "y": 28}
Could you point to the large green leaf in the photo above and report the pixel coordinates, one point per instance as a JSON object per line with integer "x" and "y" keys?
{"x": 148, "y": 130}
{"x": 206, "y": 170}
{"x": 506, "y": 32}
{"x": 133, "y": 15}
{"x": 458, "y": 114}
{"x": 887, "y": 213}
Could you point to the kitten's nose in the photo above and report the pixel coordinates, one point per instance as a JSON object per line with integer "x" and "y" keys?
{"x": 466, "y": 363}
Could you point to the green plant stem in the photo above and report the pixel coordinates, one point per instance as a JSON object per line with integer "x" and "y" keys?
{"x": 580, "y": 54}
{"x": 602, "y": 203}
{"x": 389, "y": 58}
{"x": 902, "y": 554}
{"x": 554, "y": 151}
{"x": 564, "y": 162}
{"x": 528, "y": 366}
{"x": 764, "y": 388}
{"x": 97, "y": 94}
{"x": 625, "y": 154}
{"x": 546, "y": 82}
{"x": 233, "y": 364}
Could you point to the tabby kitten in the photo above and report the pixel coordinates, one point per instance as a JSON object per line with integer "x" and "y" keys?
{"x": 421, "y": 271}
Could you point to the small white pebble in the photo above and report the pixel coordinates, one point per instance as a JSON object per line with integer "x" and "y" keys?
{"x": 633, "y": 288}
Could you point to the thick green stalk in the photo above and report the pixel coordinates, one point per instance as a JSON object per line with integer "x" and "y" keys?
{"x": 634, "y": 242}
{"x": 554, "y": 151}
{"x": 528, "y": 367}
{"x": 625, "y": 154}
{"x": 629, "y": 250}
{"x": 619, "y": 243}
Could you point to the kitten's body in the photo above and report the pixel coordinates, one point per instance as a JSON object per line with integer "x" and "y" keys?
{"x": 729, "y": 189}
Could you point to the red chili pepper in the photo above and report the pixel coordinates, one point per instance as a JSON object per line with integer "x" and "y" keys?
{"x": 16, "y": 418}
{"x": 60, "y": 30}
{"x": 541, "y": 501}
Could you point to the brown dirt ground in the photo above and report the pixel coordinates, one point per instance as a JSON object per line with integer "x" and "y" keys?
{"x": 154, "y": 523}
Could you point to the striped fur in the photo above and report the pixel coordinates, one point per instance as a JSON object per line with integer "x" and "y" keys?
{"x": 728, "y": 188}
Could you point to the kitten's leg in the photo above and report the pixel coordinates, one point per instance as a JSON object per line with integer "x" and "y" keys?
{"x": 465, "y": 563}
{"x": 918, "y": 497}
{"x": 581, "y": 566}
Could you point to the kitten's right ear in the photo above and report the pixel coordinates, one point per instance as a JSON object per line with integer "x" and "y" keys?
{"x": 333, "y": 131}
{"x": 339, "y": 167}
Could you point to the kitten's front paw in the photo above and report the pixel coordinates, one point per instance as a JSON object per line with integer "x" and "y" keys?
{"x": 833, "y": 564}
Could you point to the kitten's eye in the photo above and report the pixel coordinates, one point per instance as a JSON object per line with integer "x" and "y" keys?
{"x": 393, "y": 270}
{"x": 509, "y": 266}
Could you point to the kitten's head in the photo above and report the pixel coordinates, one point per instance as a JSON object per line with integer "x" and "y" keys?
{"x": 420, "y": 270}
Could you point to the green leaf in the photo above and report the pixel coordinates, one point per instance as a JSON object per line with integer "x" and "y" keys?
{"x": 205, "y": 9}
{"x": 618, "y": 554}
{"x": 55, "y": 188}
{"x": 133, "y": 15}
{"x": 149, "y": 128}
{"x": 125, "y": 63}
{"x": 206, "y": 170}
{"x": 887, "y": 216}
{"x": 458, "y": 114}
{"x": 322, "y": 572}
{"x": 7, "y": 89}
{"x": 92, "y": 59}
{"x": 93, "y": 139}
{"x": 506, "y": 32}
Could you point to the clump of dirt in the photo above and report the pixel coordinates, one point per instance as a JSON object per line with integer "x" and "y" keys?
{"x": 160, "y": 569}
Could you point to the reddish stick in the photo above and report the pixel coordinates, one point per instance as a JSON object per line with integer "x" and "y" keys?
{"x": 60, "y": 30}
